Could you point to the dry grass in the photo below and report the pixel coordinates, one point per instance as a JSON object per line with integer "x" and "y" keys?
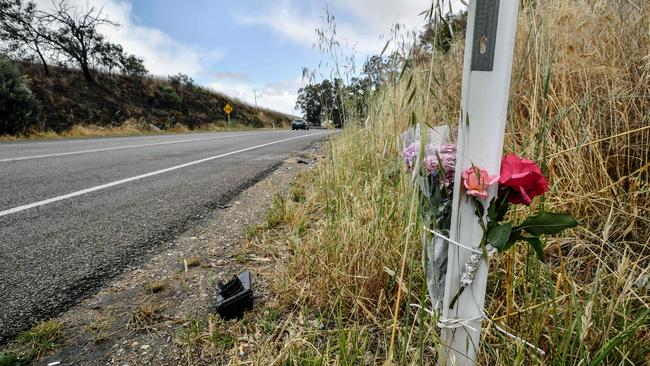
{"x": 78, "y": 131}
{"x": 192, "y": 262}
{"x": 81, "y": 131}
{"x": 144, "y": 317}
{"x": 580, "y": 105}
{"x": 100, "y": 329}
{"x": 205, "y": 340}
{"x": 155, "y": 286}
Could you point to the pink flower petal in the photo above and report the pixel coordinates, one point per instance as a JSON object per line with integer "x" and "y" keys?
{"x": 524, "y": 196}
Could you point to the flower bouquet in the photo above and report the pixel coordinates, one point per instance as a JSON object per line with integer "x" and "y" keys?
{"x": 432, "y": 164}
{"x": 519, "y": 182}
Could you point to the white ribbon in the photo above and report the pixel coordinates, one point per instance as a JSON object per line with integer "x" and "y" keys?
{"x": 441, "y": 236}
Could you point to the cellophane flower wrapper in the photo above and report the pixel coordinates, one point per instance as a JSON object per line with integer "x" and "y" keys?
{"x": 433, "y": 169}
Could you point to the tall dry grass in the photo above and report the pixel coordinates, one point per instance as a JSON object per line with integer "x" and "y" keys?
{"x": 580, "y": 105}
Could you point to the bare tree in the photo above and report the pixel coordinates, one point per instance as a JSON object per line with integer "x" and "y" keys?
{"x": 67, "y": 33}
{"x": 22, "y": 30}
{"x": 73, "y": 31}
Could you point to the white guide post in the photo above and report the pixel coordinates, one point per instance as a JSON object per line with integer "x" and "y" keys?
{"x": 487, "y": 69}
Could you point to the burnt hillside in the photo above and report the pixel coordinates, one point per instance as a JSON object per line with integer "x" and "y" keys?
{"x": 66, "y": 99}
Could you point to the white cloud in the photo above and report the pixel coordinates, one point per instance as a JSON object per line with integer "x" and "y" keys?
{"x": 280, "y": 96}
{"x": 162, "y": 54}
{"x": 367, "y": 26}
{"x": 228, "y": 75}
{"x": 284, "y": 19}
{"x": 300, "y": 28}
{"x": 380, "y": 15}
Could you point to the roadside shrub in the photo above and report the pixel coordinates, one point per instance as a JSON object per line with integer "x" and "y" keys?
{"x": 193, "y": 122}
{"x": 220, "y": 123}
{"x": 169, "y": 98}
{"x": 10, "y": 359}
{"x": 133, "y": 66}
{"x": 184, "y": 86}
{"x": 18, "y": 107}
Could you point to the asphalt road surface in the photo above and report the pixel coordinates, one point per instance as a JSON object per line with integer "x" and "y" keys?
{"x": 74, "y": 213}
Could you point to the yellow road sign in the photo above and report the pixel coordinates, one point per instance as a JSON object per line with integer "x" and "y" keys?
{"x": 227, "y": 108}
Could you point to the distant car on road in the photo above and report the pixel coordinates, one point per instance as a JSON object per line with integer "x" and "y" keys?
{"x": 299, "y": 124}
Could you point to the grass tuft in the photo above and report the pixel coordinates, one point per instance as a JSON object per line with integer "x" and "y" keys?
{"x": 42, "y": 337}
{"x": 154, "y": 287}
{"x": 100, "y": 329}
{"x": 144, "y": 318}
{"x": 11, "y": 359}
{"x": 192, "y": 262}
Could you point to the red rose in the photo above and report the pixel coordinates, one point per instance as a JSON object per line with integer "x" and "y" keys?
{"x": 524, "y": 177}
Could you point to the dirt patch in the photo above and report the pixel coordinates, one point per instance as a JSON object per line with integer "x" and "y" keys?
{"x": 159, "y": 313}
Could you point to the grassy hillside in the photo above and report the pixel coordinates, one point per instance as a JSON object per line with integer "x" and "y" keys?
{"x": 69, "y": 102}
{"x": 580, "y": 104}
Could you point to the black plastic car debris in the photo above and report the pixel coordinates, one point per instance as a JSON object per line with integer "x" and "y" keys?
{"x": 235, "y": 296}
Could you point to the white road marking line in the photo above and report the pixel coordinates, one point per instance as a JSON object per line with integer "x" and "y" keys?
{"x": 142, "y": 176}
{"x": 119, "y": 148}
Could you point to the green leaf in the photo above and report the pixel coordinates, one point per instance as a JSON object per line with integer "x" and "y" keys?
{"x": 404, "y": 67}
{"x": 533, "y": 241}
{"x": 492, "y": 210}
{"x": 498, "y": 209}
{"x": 547, "y": 223}
{"x": 537, "y": 245}
{"x": 412, "y": 95}
{"x": 414, "y": 119}
{"x": 498, "y": 236}
{"x": 479, "y": 210}
{"x": 424, "y": 186}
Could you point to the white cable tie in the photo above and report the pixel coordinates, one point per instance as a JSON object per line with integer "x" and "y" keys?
{"x": 441, "y": 236}
{"x": 417, "y": 306}
{"x": 454, "y": 323}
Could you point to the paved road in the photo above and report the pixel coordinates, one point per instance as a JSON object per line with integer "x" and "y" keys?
{"x": 74, "y": 213}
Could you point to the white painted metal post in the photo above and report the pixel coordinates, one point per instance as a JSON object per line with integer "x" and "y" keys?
{"x": 487, "y": 70}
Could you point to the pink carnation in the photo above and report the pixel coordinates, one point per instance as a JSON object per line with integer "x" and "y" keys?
{"x": 410, "y": 154}
{"x": 446, "y": 155}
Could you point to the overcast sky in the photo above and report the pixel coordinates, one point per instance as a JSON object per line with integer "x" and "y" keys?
{"x": 238, "y": 46}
